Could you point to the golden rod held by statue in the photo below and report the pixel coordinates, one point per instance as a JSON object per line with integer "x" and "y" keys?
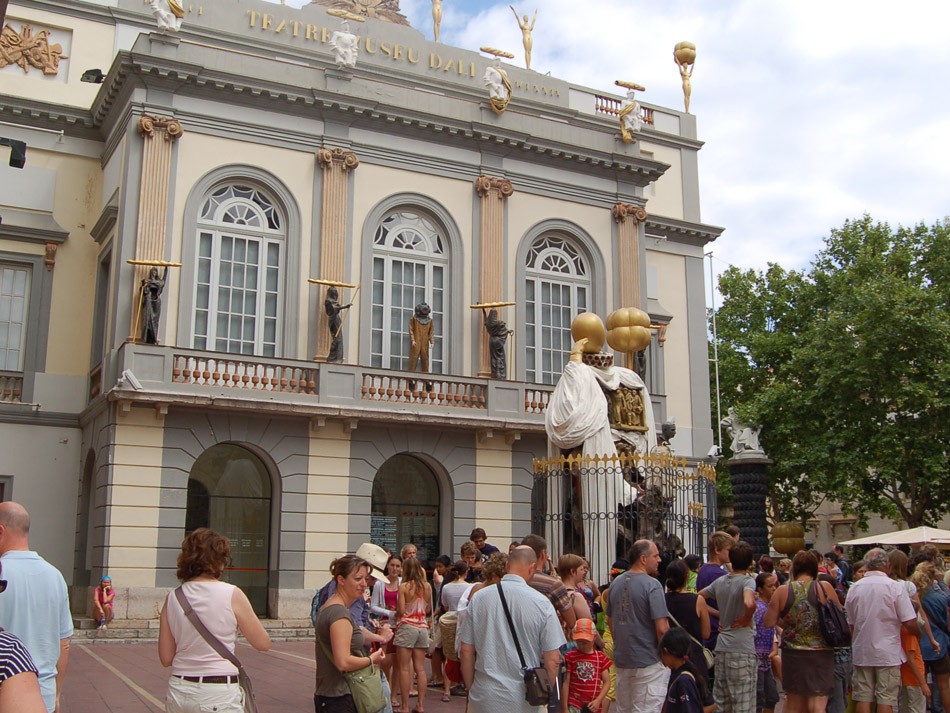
{"x": 154, "y": 263}
{"x": 330, "y": 283}
{"x": 488, "y": 305}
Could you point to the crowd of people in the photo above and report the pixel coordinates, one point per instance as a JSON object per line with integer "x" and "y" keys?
{"x": 515, "y": 631}
{"x": 724, "y": 632}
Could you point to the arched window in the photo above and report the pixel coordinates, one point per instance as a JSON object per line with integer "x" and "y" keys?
{"x": 239, "y": 261}
{"x": 557, "y": 289}
{"x": 409, "y": 266}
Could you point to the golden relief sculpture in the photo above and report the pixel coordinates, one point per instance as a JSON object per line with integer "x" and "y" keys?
{"x": 387, "y": 10}
{"x": 26, "y": 50}
{"x": 626, "y": 410}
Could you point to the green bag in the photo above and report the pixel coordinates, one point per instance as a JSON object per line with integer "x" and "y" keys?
{"x": 365, "y": 685}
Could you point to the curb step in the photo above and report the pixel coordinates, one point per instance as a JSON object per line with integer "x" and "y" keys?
{"x": 85, "y": 630}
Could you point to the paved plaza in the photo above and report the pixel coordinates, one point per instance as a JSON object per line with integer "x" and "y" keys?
{"x": 127, "y": 678}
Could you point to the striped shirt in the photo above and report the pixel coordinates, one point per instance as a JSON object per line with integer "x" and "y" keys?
{"x": 14, "y": 658}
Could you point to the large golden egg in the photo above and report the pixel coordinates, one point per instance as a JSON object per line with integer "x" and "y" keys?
{"x": 628, "y": 330}
{"x": 685, "y": 53}
{"x": 588, "y": 324}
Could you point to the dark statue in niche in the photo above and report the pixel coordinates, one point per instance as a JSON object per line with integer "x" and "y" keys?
{"x": 498, "y": 334}
{"x": 335, "y": 324}
{"x": 152, "y": 288}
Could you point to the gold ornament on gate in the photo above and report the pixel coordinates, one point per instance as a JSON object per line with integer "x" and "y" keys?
{"x": 628, "y": 330}
{"x": 588, "y": 325}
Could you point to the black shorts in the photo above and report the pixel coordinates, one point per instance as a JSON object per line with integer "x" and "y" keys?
{"x": 334, "y": 704}
{"x": 940, "y": 666}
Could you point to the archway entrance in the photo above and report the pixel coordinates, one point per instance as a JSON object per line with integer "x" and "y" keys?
{"x": 405, "y": 506}
{"x": 229, "y": 491}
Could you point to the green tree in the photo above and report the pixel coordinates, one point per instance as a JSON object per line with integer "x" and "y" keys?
{"x": 845, "y": 367}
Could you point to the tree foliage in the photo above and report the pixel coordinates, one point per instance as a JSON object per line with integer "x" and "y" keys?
{"x": 845, "y": 367}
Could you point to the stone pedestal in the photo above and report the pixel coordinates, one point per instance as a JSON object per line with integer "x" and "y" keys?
{"x": 750, "y": 488}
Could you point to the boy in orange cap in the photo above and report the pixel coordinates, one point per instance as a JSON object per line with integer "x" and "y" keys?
{"x": 588, "y": 677}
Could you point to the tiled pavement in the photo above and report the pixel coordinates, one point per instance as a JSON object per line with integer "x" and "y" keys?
{"x": 128, "y": 678}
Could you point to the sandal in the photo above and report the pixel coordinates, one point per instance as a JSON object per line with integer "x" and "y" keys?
{"x": 446, "y": 699}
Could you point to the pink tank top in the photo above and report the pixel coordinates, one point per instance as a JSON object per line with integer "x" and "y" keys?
{"x": 415, "y": 614}
{"x": 212, "y": 603}
{"x": 390, "y": 598}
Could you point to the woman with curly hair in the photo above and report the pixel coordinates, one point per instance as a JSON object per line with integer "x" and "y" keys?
{"x": 200, "y": 677}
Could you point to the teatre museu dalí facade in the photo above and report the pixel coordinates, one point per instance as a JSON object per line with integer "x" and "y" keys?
{"x": 238, "y": 149}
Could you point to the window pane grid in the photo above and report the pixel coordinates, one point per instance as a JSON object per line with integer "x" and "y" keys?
{"x": 14, "y": 291}
{"x": 238, "y": 276}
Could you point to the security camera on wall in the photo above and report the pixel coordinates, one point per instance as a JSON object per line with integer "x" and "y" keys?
{"x": 17, "y": 151}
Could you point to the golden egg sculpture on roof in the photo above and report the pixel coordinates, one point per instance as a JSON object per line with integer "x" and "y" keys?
{"x": 589, "y": 325}
{"x": 628, "y": 330}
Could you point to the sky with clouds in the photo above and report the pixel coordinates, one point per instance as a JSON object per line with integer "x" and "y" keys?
{"x": 812, "y": 112}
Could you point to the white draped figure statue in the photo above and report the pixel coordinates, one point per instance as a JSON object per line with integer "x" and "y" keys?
{"x": 577, "y": 417}
{"x": 345, "y": 46}
{"x": 168, "y": 14}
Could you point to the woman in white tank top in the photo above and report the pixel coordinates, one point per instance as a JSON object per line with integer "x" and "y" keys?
{"x": 200, "y": 677}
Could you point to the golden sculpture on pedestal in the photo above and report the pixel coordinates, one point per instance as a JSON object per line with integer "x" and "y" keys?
{"x": 628, "y": 331}
{"x": 631, "y": 118}
{"x": 436, "y": 17}
{"x": 496, "y": 79}
{"x": 526, "y": 30}
{"x": 684, "y": 54}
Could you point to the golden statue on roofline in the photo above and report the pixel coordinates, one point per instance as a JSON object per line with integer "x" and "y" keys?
{"x": 387, "y": 10}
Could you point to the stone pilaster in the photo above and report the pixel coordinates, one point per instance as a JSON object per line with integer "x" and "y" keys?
{"x": 629, "y": 219}
{"x": 493, "y": 193}
{"x": 336, "y": 165}
{"x": 159, "y": 135}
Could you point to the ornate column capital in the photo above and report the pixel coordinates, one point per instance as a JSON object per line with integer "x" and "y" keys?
{"x": 622, "y": 211}
{"x": 170, "y": 129}
{"x": 485, "y": 185}
{"x": 346, "y": 160}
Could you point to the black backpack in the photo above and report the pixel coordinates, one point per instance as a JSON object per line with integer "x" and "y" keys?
{"x": 832, "y": 620}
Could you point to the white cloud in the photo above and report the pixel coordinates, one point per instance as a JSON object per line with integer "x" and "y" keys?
{"x": 812, "y": 112}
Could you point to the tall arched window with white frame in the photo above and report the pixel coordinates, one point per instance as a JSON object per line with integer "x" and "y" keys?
{"x": 410, "y": 265}
{"x": 239, "y": 262}
{"x": 557, "y": 289}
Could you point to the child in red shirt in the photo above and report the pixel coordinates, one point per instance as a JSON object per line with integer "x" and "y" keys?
{"x": 588, "y": 677}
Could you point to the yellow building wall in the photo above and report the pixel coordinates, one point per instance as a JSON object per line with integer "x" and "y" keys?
{"x": 200, "y": 154}
{"x": 134, "y": 503}
{"x": 671, "y": 280}
{"x": 88, "y": 45}
{"x": 493, "y": 491}
{"x": 328, "y": 502}
{"x": 667, "y": 199}
{"x": 76, "y": 209}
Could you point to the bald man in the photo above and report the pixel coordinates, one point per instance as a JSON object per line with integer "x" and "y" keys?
{"x": 35, "y": 605}
{"x": 489, "y": 661}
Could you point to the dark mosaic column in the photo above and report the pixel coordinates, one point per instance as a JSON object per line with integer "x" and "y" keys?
{"x": 750, "y": 488}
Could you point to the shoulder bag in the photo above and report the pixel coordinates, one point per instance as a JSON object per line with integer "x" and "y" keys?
{"x": 244, "y": 681}
{"x": 365, "y": 685}
{"x": 831, "y": 620}
{"x": 536, "y": 680}
{"x": 707, "y": 654}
